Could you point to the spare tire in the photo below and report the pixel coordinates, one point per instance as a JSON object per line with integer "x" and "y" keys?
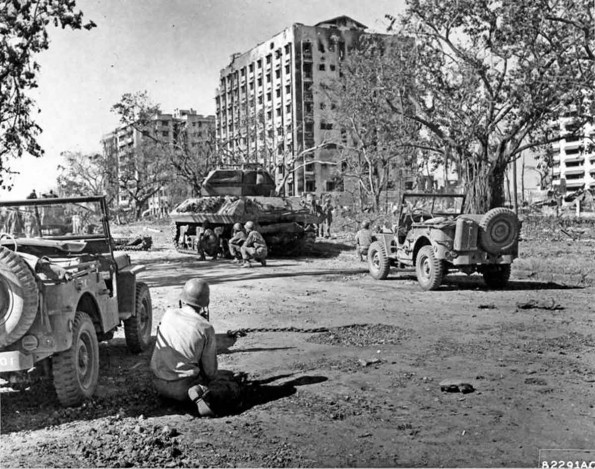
{"x": 18, "y": 297}
{"x": 498, "y": 230}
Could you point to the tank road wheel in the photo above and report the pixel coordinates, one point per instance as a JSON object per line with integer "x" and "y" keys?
{"x": 429, "y": 269}
{"x": 497, "y": 276}
{"x": 18, "y": 297}
{"x": 137, "y": 328}
{"x": 499, "y": 230}
{"x": 378, "y": 263}
{"x": 76, "y": 370}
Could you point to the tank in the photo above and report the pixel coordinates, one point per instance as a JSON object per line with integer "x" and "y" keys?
{"x": 237, "y": 195}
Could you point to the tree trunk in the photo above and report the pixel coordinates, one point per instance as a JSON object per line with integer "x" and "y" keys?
{"x": 484, "y": 187}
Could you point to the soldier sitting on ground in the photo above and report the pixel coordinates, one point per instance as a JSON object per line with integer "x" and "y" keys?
{"x": 363, "y": 239}
{"x": 255, "y": 247}
{"x": 208, "y": 242}
{"x": 184, "y": 361}
{"x": 236, "y": 242}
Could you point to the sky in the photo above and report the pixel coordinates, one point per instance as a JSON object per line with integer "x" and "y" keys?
{"x": 174, "y": 49}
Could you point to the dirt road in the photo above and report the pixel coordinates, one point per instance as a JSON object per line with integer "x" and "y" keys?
{"x": 365, "y": 393}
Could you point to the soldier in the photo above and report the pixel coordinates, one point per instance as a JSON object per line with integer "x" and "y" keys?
{"x": 208, "y": 242}
{"x": 236, "y": 241}
{"x": 184, "y": 360}
{"x": 327, "y": 219}
{"x": 255, "y": 247}
{"x": 363, "y": 239}
{"x": 32, "y": 195}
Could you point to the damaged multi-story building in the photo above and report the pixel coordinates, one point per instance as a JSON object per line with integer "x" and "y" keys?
{"x": 269, "y": 107}
{"x": 184, "y": 127}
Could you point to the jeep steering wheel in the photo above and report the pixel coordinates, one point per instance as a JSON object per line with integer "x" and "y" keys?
{"x": 9, "y": 236}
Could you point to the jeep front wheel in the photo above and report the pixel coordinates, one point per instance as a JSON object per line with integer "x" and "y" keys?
{"x": 429, "y": 269}
{"x": 137, "y": 328}
{"x": 76, "y": 370}
{"x": 378, "y": 263}
{"x": 497, "y": 276}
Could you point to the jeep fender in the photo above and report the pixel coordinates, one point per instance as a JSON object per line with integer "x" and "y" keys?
{"x": 127, "y": 290}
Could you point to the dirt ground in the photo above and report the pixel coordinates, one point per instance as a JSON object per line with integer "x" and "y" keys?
{"x": 364, "y": 393}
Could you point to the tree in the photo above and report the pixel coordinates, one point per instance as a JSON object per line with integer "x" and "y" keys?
{"x": 24, "y": 28}
{"x": 87, "y": 174}
{"x": 493, "y": 77}
{"x": 189, "y": 163}
{"x": 375, "y": 142}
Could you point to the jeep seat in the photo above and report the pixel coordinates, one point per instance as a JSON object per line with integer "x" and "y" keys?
{"x": 122, "y": 260}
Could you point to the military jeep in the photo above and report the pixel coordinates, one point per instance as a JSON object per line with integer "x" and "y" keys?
{"x": 433, "y": 235}
{"x": 62, "y": 291}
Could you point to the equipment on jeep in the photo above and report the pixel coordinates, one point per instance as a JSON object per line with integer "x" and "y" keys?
{"x": 434, "y": 236}
{"x": 237, "y": 195}
{"x": 62, "y": 291}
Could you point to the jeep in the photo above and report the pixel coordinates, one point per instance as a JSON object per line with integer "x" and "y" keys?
{"x": 433, "y": 235}
{"x": 62, "y": 291}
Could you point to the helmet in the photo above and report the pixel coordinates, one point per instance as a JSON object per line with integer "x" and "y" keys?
{"x": 366, "y": 224}
{"x": 196, "y": 293}
{"x": 249, "y": 225}
{"x": 237, "y": 227}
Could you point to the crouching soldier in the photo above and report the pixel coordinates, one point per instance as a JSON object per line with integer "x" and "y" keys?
{"x": 184, "y": 361}
{"x": 236, "y": 242}
{"x": 363, "y": 239}
{"x": 208, "y": 242}
{"x": 255, "y": 247}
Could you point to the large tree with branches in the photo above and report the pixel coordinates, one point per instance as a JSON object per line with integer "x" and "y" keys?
{"x": 376, "y": 145}
{"x": 24, "y": 26}
{"x": 492, "y": 79}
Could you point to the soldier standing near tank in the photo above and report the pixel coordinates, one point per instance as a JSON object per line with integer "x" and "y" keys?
{"x": 255, "y": 247}
{"x": 327, "y": 219}
{"x": 236, "y": 242}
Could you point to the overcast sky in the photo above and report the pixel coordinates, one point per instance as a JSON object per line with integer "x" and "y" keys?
{"x": 174, "y": 49}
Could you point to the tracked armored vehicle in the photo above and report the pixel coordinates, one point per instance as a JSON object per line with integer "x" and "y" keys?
{"x": 237, "y": 195}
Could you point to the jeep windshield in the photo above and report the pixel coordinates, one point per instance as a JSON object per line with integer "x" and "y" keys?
{"x": 436, "y": 205}
{"x": 78, "y": 218}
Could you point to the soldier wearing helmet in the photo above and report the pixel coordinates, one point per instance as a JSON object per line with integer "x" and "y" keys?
{"x": 184, "y": 360}
{"x": 208, "y": 242}
{"x": 363, "y": 239}
{"x": 236, "y": 242}
{"x": 255, "y": 247}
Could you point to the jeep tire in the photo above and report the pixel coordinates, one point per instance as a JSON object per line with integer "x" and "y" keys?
{"x": 378, "y": 263}
{"x": 76, "y": 370}
{"x": 429, "y": 269}
{"x": 498, "y": 230}
{"x": 496, "y": 276}
{"x": 137, "y": 328}
{"x": 18, "y": 297}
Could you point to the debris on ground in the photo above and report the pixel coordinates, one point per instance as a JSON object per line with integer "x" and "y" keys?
{"x": 537, "y": 304}
{"x": 456, "y": 385}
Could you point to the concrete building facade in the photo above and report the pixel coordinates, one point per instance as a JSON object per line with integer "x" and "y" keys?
{"x": 574, "y": 157}
{"x": 269, "y": 107}
{"x": 184, "y": 127}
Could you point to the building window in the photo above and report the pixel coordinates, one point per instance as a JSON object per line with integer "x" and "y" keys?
{"x": 288, "y": 108}
{"x": 251, "y": 67}
{"x": 268, "y": 77}
{"x": 307, "y": 47}
{"x": 321, "y": 46}
{"x": 260, "y": 81}
{"x": 287, "y": 69}
{"x": 259, "y": 63}
{"x": 165, "y": 133}
{"x": 269, "y": 96}
{"x": 287, "y": 48}
{"x": 288, "y": 89}
{"x": 326, "y": 126}
{"x": 278, "y": 112}
{"x": 243, "y": 72}
{"x": 278, "y": 93}
{"x": 272, "y": 46}
{"x": 322, "y": 106}
{"x": 260, "y": 99}
{"x": 269, "y": 58}
{"x": 322, "y": 67}
{"x": 277, "y": 74}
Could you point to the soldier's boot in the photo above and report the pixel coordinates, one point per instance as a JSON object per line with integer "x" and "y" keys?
{"x": 197, "y": 395}
{"x": 263, "y": 262}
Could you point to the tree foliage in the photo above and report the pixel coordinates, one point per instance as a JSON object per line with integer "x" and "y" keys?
{"x": 492, "y": 78}
{"x": 24, "y": 26}
{"x": 375, "y": 142}
{"x": 183, "y": 161}
{"x": 86, "y": 174}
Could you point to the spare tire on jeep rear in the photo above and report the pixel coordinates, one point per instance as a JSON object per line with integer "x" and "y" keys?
{"x": 499, "y": 230}
{"x": 18, "y": 297}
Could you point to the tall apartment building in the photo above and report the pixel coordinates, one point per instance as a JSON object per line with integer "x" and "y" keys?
{"x": 269, "y": 108}
{"x": 184, "y": 126}
{"x": 574, "y": 156}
